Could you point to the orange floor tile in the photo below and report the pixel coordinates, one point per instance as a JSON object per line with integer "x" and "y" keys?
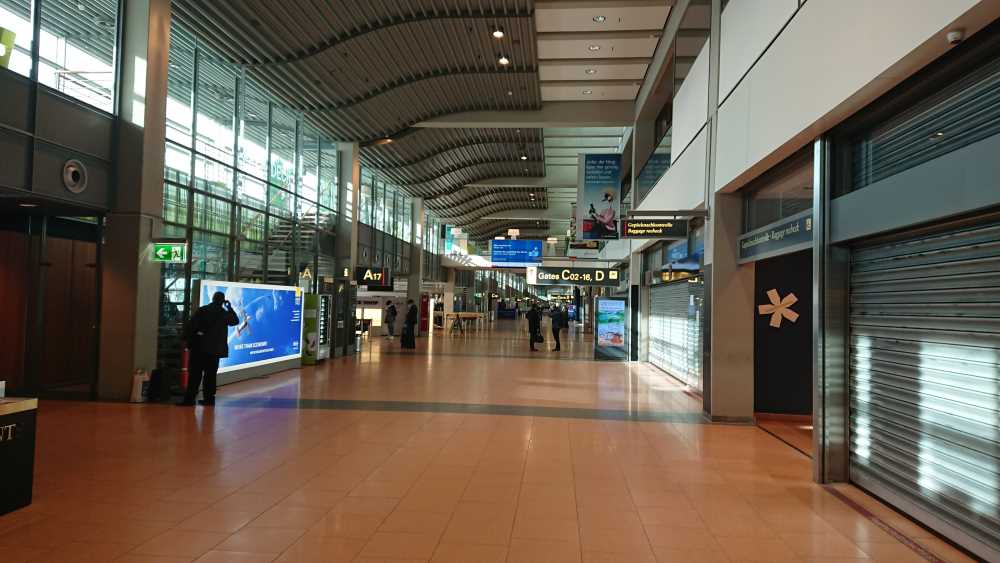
{"x": 470, "y": 449}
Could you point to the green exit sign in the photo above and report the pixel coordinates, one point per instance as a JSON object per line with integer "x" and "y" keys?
{"x": 170, "y": 252}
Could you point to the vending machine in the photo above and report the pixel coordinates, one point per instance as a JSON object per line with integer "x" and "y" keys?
{"x": 342, "y": 327}
{"x": 325, "y": 326}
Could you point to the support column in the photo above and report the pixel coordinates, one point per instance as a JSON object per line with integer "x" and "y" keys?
{"x": 416, "y": 275}
{"x": 346, "y": 246}
{"x": 449, "y": 292}
{"x": 130, "y": 281}
{"x": 638, "y": 326}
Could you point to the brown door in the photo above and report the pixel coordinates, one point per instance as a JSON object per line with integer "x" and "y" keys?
{"x": 67, "y": 352}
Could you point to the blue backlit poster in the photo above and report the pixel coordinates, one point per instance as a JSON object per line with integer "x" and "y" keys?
{"x": 270, "y": 328}
{"x": 609, "y": 340}
{"x": 516, "y": 253}
{"x": 598, "y": 200}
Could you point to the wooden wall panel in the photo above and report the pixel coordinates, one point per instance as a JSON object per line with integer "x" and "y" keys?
{"x": 14, "y": 292}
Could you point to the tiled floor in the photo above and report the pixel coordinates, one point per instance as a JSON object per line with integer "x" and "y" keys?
{"x": 323, "y": 481}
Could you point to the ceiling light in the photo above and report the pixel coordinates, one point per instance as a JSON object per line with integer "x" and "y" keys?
{"x": 937, "y": 135}
{"x": 588, "y": 92}
{"x": 503, "y": 60}
{"x": 27, "y": 205}
{"x": 498, "y": 32}
{"x": 510, "y": 92}
{"x": 591, "y": 71}
{"x": 524, "y": 157}
{"x": 600, "y": 19}
{"x": 593, "y": 47}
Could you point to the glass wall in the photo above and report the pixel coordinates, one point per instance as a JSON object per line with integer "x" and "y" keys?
{"x": 77, "y": 45}
{"x": 247, "y": 181}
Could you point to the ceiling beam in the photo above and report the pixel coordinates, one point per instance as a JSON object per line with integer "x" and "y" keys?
{"x": 552, "y": 114}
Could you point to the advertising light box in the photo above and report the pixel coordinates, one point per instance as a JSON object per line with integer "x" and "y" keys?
{"x": 270, "y": 328}
{"x": 609, "y": 343}
{"x": 516, "y": 253}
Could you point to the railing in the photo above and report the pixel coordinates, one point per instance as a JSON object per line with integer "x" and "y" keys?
{"x": 653, "y": 170}
{"x": 94, "y": 88}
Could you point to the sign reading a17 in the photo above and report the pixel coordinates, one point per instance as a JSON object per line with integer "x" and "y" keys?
{"x": 170, "y": 252}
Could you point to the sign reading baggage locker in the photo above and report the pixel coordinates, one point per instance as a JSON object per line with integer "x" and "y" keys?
{"x": 654, "y": 228}
{"x": 544, "y": 275}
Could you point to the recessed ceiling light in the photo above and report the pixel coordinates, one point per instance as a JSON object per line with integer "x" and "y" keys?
{"x": 503, "y": 60}
{"x": 594, "y": 47}
{"x": 27, "y": 205}
{"x": 591, "y": 71}
{"x": 937, "y": 135}
{"x": 524, "y": 157}
{"x": 600, "y": 19}
{"x": 588, "y": 92}
{"x": 510, "y": 92}
{"x": 498, "y": 32}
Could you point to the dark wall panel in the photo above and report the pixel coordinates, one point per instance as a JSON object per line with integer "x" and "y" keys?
{"x": 14, "y": 289}
{"x": 15, "y": 93}
{"x": 14, "y": 149}
{"x": 72, "y": 125}
{"x": 49, "y": 162}
{"x": 783, "y": 354}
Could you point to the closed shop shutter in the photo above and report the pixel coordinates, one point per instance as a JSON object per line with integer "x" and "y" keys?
{"x": 925, "y": 379}
{"x": 675, "y": 329}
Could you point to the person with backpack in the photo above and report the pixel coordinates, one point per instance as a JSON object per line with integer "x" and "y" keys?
{"x": 409, "y": 339}
{"x": 559, "y": 322}
{"x": 206, "y": 335}
{"x": 534, "y": 327}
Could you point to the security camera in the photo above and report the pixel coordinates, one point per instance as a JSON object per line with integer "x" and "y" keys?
{"x": 956, "y": 36}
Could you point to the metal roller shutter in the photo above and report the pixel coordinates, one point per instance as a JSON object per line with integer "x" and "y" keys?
{"x": 925, "y": 380}
{"x": 675, "y": 329}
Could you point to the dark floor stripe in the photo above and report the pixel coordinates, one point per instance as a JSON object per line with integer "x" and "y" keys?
{"x": 902, "y": 538}
{"x": 462, "y": 408}
{"x": 540, "y": 355}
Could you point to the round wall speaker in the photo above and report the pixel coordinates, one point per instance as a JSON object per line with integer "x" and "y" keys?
{"x": 75, "y": 176}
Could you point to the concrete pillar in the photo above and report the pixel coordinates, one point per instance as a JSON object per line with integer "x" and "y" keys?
{"x": 449, "y": 292}
{"x": 130, "y": 280}
{"x": 346, "y": 246}
{"x": 416, "y": 274}
{"x": 729, "y": 381}
{"x": 638, "y": 310}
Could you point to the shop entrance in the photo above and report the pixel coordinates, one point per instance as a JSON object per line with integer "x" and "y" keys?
{"x": 783, "y": 346}
{"x": 49, "y": 277}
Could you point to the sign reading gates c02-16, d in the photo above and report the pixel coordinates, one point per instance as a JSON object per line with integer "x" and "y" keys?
{"x": 572, "y": 276}
{"x": 654, "y": 228}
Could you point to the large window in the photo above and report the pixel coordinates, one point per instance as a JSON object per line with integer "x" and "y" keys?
{"x": 781, "y": 192}
{"x": 77, "y": 44}
{"x": 246, "y": 180}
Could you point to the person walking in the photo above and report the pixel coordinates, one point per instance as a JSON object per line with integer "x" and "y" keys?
{"x": 534, "y": 326}
{"x": 409, "y": 339}
{"x": 206, "y": 335}
{"x": 390, "y": 320}
{"x": 557, "y": 325}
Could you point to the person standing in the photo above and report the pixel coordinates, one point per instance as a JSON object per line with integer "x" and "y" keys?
{"x": 534, "y": 326}
{"x": 409, "y": 339}
{"x": 206, "y": 336}
{"x": 390, "y": 320}
{"x": 557, "y": 325}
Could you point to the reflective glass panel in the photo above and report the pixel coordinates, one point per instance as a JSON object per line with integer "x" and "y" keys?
{"x": 77, "y": 49}
{"x": 216, "y": 108}
{"x": 16, "y": 37}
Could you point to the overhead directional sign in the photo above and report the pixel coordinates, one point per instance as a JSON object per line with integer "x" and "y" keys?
{"x": 654, "y": 228}
{"x": 543, "y": 275}
{"x": 173, "y": 251}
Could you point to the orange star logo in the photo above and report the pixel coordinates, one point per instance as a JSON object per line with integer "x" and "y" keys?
{"x": 779, "y": 308}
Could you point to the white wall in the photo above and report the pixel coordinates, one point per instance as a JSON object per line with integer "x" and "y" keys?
{"x": 747, "y": 28}
{"x": 832, "y": 54}
{"x": 690, "y": 111}
{"x": 683, "y": 185}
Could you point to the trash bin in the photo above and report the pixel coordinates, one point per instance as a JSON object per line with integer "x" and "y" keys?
{"x": 357, "y": 342}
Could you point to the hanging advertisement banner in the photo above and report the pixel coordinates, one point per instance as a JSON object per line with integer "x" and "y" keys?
{"x": 597, "y": 200}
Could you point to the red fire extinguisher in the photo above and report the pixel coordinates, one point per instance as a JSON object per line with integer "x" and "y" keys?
{"x": 184, "y": 368}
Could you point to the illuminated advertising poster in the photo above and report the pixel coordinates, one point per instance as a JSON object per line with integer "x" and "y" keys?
{"x": 270, "y": 328}
{"x": 609, "y": 341}
{"x": 515, "y": 253}
{"x": 598, "y": 198}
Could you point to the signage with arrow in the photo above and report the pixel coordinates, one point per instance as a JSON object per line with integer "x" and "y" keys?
{"x": 170, "y": 251}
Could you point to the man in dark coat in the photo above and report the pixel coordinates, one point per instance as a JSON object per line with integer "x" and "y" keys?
{"x": 409, "y": 339}
{"x": 534, "y": 326}
{"x": 559, "y": 321}
{"x": 207, "y": 335}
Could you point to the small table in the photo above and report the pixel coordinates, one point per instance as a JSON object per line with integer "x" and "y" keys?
{"x": 17, "y": 452}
